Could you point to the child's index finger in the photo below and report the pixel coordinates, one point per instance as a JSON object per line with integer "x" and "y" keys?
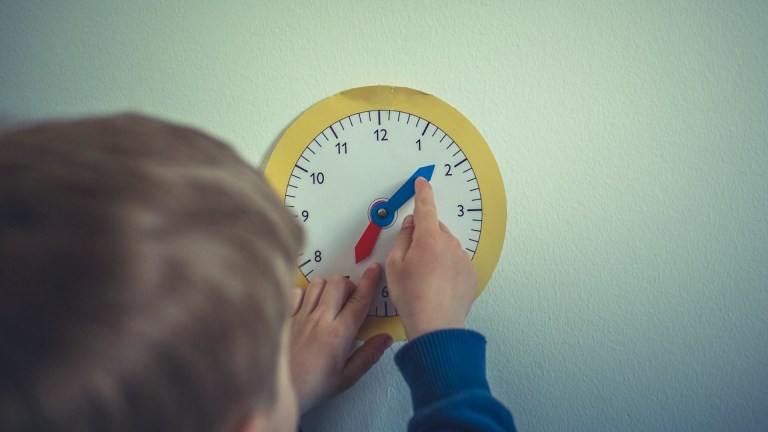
{"x": 425, "y": 210}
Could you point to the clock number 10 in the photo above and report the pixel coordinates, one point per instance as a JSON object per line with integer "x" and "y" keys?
{"x": 317, "y": 178}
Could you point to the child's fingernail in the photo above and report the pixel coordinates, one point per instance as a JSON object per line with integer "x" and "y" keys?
{"x": 408, "y": 221}
{"x": 388, "y": 342}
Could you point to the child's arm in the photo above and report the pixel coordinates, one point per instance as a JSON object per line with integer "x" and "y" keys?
{"x": 432, "y": 282}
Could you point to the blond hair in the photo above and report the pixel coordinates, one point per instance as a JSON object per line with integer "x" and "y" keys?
{"x": 143, "y": 269}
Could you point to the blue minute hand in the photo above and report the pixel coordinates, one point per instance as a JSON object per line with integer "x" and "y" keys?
{"x": 383, "y": 213}
{"x": 406, "y": 192}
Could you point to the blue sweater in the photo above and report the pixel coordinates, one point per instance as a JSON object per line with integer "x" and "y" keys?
{"x": 446, "y": 373}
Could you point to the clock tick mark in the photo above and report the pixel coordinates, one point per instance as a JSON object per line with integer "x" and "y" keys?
{"x": 425, "y": 129}
{"x": 334, "y": 132}
{"x": 473, "y": 178}
{"x": 457, "y": 152}
{"x": 294, "y": 175}
{"x": 460, "y": 162}
{"x": 441, "y": 139}
{"x": 379, "y": 117}
{"x": 304, "y": 263}
{"x": 301, "y": 168}
{"x": 303, "y": 157}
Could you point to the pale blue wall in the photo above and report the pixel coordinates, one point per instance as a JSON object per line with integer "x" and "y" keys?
{"x": 632, "y": 293}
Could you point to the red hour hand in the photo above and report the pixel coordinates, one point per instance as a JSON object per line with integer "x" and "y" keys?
{"x": 367, "y": 241}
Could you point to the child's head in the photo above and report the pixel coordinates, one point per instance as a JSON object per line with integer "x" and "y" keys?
{"x": 143, "y": 269}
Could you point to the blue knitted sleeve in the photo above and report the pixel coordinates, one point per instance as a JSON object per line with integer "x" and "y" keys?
{"x": 445, "y": 371}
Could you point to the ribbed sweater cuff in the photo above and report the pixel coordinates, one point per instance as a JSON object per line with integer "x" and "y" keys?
{"x": 443, "y": 363}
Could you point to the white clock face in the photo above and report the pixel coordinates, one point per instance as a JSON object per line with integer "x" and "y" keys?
{"x": 359, "y": 161}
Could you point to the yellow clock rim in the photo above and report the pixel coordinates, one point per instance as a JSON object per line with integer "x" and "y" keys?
{"x": 319, "y": 116}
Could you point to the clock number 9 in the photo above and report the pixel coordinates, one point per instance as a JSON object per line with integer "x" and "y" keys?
{"x": 305, "y": 215}
{"x": 317, "y": 178}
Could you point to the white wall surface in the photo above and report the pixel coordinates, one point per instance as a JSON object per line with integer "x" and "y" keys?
{"x": 632, "y": 292}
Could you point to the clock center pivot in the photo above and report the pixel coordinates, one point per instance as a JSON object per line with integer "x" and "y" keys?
{"x": 380, "y": 214}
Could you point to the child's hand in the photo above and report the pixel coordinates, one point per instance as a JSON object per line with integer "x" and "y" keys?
{"x": 430, "y": 276}
{"x": 327, "y": 316}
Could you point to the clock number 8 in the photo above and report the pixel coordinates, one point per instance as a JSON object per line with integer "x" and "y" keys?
{"x": 318, "y": 256}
